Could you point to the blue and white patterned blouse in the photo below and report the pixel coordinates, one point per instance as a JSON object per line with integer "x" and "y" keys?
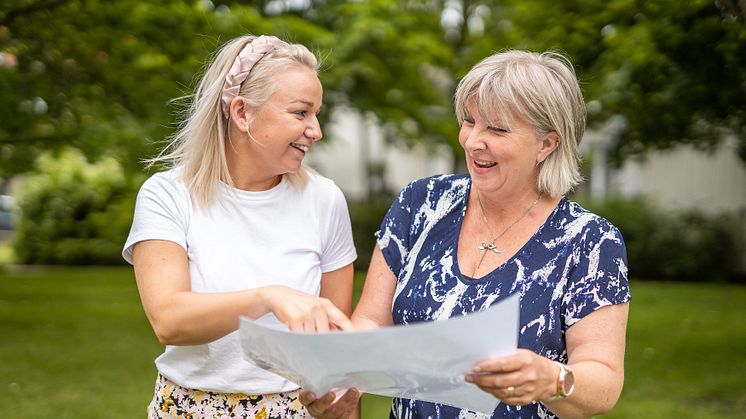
{"x": 574, "y": 264}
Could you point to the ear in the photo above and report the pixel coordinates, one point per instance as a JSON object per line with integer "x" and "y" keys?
{"x": 547, "y": 146}
{"x": 240, "y": 113}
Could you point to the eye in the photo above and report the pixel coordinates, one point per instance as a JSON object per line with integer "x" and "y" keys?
{"x": 302, "y": 114}
{"x": 468, "y": 121}
{"x": 498, "y": 130}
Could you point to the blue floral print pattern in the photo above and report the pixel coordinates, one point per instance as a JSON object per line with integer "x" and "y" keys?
{"x": 574, "y": 264}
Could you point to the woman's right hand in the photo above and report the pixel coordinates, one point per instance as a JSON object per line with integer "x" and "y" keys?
{"x": 303, "y": 312}
{"x": 329, "y": 406}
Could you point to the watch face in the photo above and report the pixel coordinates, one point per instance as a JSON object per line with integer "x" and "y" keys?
{"x": 568, "y": 384}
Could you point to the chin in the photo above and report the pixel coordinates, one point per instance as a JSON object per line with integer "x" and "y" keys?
{"x": 294, "y": 169}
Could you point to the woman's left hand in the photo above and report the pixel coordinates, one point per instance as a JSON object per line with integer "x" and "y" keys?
{"x": 325, "y": 407}
{"x": 517, "y": 379}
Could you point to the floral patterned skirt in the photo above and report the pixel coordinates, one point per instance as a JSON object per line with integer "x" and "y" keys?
{"x": 170, "y": 400}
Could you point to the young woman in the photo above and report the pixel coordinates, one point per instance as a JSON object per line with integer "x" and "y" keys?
{"x": 238, "y": 226}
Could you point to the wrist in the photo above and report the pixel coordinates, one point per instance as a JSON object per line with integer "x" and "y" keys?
{"x": 265, "y": 298}
{"x": 564, "y": 384}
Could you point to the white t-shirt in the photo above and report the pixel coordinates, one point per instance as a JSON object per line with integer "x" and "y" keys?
{"x": 283, "y": 236}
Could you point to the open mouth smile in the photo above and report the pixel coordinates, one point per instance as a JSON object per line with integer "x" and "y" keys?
{"x": 301, "y": 147}
{"x": 484, "y": 164}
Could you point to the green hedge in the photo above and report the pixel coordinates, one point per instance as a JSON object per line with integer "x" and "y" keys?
{"x": 677, "y": 246}
{"x": 73, "y": 212}
{"x": 366, "y": 220}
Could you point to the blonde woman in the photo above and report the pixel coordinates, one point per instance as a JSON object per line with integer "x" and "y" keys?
{"x": 238, "y": 226}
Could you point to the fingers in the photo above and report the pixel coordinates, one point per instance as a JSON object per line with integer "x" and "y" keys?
{"x": 326, "y": 408}
{"x": 338, "y": 319}
{"x": 346, "y": 404}
{"x": 306, "y": 397}
{"x": 504, "y": 364}
{"x": 517, "y": 379}
{"x": 495, "y": 381}
{"x": 318, "y": 320}
{"x": 327, "y": 317}
{"x": 515, "y": 395}
{"x": 307, "y": 313}
{"x": 316, "y": 406}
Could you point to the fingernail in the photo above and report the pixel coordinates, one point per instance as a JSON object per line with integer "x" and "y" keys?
{"x": 476, "y": 369}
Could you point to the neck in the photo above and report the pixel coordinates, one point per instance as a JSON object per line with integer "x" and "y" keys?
{"x": 256, "y": 185}
{"x": 501, "y": 210}
{"x": 246, "y": 174}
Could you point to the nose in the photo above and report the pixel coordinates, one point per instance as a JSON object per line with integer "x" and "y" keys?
{"x": 313, "y": 131}
{"x": 473, "y": 139}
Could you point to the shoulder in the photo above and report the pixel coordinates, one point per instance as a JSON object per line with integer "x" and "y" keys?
{"x": 436, "y": 187}
{"x": 319, "y": 183}
{"x": 322, "y": 192}
{"x": 578, "y": 222}
{"x": 321, "y": 186}
{"x": 168, "y": 179}
{"x": 165, "y": 186}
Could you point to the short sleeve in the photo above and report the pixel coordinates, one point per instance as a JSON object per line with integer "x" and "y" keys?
{"x": 393, "y": 237}
{"x": 338, "y": 248}
{"x": 161, "y": 213}
{"x": 599, "y": 278}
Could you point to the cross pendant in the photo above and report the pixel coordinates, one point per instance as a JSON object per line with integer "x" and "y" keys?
{"x": 489, "y": 246}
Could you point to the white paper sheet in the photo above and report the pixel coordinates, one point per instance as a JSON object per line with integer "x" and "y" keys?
{"x": 425, "y": 361}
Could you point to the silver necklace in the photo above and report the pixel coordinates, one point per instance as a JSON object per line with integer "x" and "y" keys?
{"x": 486, "y": 247}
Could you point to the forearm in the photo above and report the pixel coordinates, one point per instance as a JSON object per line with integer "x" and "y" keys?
{"x": 597, "y": 389}
{"x": 192, "y": 318}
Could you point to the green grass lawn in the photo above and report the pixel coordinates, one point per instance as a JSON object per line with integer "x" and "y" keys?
{"x": 74, "y": 343}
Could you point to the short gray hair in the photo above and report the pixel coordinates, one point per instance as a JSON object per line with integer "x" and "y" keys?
{"x": 543, "y": 90}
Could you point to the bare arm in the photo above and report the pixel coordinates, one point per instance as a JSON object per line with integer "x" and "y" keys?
{"x": 595, "y": 346}
{"x": 374, "y": 308}
{"x": 336, "y": 286}
{"x": 182, "y": 317}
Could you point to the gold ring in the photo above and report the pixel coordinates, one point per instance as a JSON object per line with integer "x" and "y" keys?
{"x": 510, "y": 389}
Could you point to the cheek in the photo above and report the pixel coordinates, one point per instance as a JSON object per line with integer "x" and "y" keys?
{"x": 463, "y": 134}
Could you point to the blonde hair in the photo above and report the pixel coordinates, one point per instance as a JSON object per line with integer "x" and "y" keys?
{"x": 541, "y": 89}
{"x": 198, "y": 147}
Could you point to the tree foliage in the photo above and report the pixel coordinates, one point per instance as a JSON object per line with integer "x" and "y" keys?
{"x": 98, "y": 75}
{"x": 74, "y": 212}
{"x": 675, "y": 70}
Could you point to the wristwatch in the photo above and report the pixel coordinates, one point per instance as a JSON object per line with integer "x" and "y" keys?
{"x": 565, "y": 383}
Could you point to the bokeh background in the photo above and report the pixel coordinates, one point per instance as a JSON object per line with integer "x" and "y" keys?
{"x": 88, "y": 89}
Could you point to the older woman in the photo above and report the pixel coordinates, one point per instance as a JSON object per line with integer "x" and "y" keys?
{"x": 452, "y": 245}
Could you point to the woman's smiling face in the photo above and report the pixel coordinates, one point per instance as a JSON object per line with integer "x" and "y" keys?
{"x": 286, "y": 125}
{"x": 500, "y": 157}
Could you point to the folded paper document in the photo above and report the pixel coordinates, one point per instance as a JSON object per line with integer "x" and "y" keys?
{"x": 425, "y": 361}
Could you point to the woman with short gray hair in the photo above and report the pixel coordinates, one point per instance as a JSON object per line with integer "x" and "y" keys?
{"x": 455, "y": 244}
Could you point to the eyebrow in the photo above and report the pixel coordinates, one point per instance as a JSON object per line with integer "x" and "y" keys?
{"x": 306, "y": 102}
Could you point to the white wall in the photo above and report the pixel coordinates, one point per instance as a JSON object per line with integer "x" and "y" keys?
{"x": 350, "y": 140}
{"x": 686, "y": 178}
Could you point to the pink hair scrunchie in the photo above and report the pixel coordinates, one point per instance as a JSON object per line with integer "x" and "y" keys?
{"x": 242, "y": 65}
